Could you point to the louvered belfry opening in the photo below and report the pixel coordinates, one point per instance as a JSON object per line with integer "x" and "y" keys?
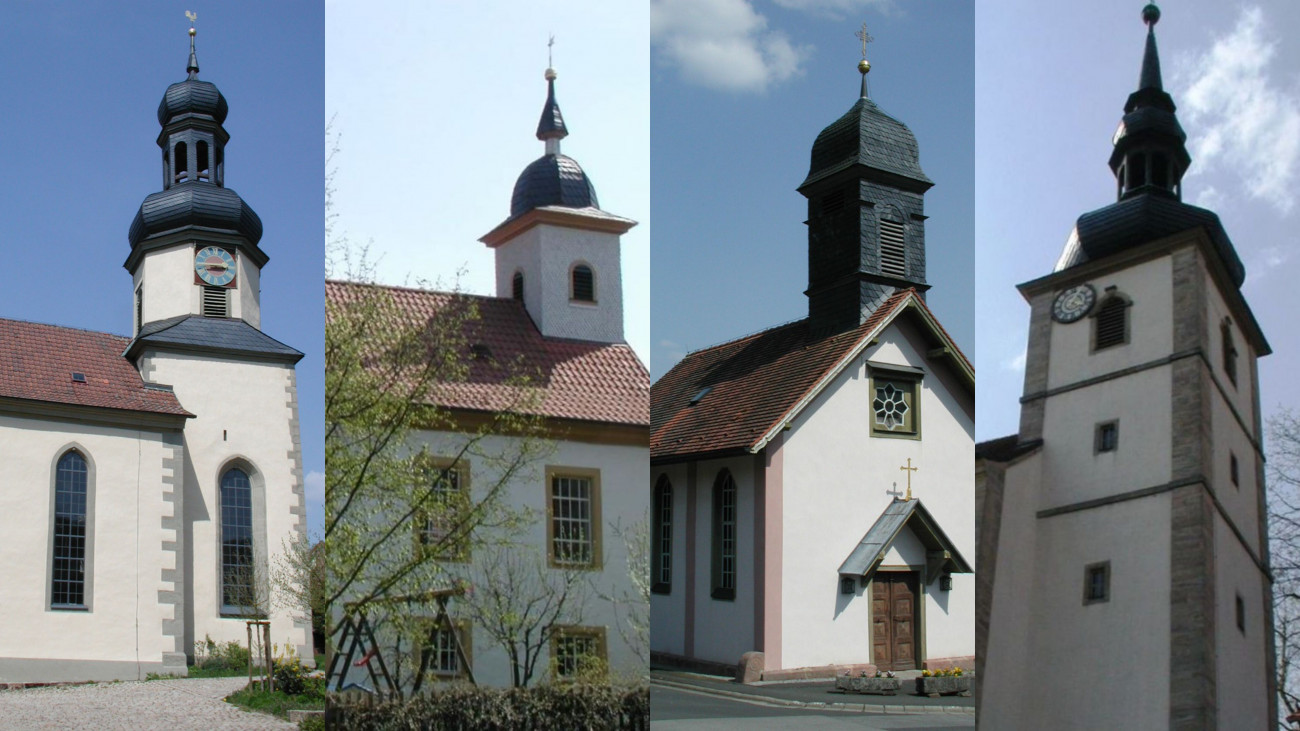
{"x": 893, "y": 251}
{"x": 1111, "y": 323}
{"x": 216, "y": 302}
{"x": 584, "y": 284}
{"x": 517, "y": 287}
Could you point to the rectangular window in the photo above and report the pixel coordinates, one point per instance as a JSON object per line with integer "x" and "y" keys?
{"x": 444, "y": 660}
{"x": 573, "y": 527}
{"x": 579, "y": 652}
{"x": 1107, "y": 438}
{"x": 662, "y": 540}
{"x": 439, "y": 526}
{"x": 1229, "y": 353}
{"x": 1241, "y": 614}
{"x": 1232, "y": 469}
{"x": 1096, "y": 583}
{"x": 895, "y": 408}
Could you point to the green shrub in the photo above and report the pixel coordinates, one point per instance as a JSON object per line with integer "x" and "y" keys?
{"x": 312, "y": 723}
{"x": 544, "y": 708}
{"x": 290, "y": 677}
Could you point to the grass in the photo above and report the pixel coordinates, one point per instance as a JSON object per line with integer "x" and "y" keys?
{"x": 275, "y": 703}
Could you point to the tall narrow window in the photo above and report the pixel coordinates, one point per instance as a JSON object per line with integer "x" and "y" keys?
{"x": 893, "y": 252}
{"x": 724, "y": 536}
{"x": 574, "y": 525}
{"x": 584, "y": 284}
{"x": 661, "y": 580}
{"x": 440, "y": 527}
{"x": 1241, "y": 614}
{"x": 201, "y": 153}
{"x": 139, "y": 308}
{"x": 238, "y": 579}
{"x": 1110, "y": 326}
{"x": 69, "y": 579}
{"x": 181, "y": 161}
{"x": 1096, "y": 583}
{"x": 220, "y": 165}
{"x": 517, "y": 287}
{"x": 1229, "y": 352}
{"x": 1233, "y": 470}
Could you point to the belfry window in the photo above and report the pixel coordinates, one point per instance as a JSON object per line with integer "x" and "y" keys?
{"x": 517, "y": 287}
{"x": 724, "y": 537}
{"x": 1137, "y": 170}
{"x": 1229, "y": 352}
{"x": 238, "y": 579}
{"x": 201, "y": 152}
{"x": 584, "y": 284}
{"x": 181, "y": 163}
{"x": 1159, "y": 171}
{"x": 1110, "y": 324}
{"x": 71, "y": 491}
{"x": 893, "y": 251}
{"x": 221, "y": 172}
{"x": 215, "y": 302}
{"x": 661, "y": 570}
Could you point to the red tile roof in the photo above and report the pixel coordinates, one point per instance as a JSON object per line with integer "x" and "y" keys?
{"x": 577, "y": 379}
{"x": 37, "y": 362}
{"x": 754, "y": 383}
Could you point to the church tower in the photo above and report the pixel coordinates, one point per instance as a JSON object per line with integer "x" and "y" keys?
{"x": 866, "y": 214}
{"x": 1129, "y": 516}
{"x": 558, "y": 253}
{"x": 194, "y": 244}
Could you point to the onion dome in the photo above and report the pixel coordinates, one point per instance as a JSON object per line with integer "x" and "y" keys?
{"x": 1149, "y": 160}
{"x": 195, "y": 204}
{"x": 192, "y": 96}
{"x": 553, "y": 179}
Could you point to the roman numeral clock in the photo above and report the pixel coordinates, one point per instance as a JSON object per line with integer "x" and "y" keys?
{"x": 214, "y": 267}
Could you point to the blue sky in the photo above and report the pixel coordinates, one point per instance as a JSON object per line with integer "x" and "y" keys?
{"x": 740, "y": 90}
{"x": 436, "y": 107}
{"x": 1051, "y": 88}
{"x": 81, "y": 92}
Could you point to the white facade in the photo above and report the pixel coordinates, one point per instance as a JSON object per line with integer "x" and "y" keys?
{"x": 164, "y": 282}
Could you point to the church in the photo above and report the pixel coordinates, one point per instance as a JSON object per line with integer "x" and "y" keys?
{"x": 1123, "y": 539}
{"x": 557, "y": 319}
{"x": 152, "y": 479}
{"x": 811, "y": 512}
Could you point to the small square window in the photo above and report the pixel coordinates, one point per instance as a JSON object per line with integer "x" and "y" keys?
{"x": 1241, "y": 614}
{"x": 1232, "y": 469}
{"x": 1107, "y": 438}
{"x": 1096, "y": 583}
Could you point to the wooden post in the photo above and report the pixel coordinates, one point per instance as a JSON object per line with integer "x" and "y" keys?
{"x": 249, "y": 627}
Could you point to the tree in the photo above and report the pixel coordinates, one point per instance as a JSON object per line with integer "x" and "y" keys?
{"x": 1284, "y": 548}
{"x": 632, "y": 605}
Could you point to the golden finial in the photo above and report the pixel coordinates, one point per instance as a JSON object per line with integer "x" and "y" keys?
{"x": 550, "y": 65}
{"x": 864, "y": 65}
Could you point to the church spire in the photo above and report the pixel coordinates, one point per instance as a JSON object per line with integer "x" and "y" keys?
{"x": 1150, "y": 155}
{"x": 193, "y": 66}
{"x": 550, "y": 128}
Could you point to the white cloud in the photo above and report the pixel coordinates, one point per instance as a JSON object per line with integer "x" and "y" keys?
{"x": 1015, "y": 363}
{"x": 722, "y": 44}
{"x": 1243, "y": 121}
{"x": 837, "y": 8}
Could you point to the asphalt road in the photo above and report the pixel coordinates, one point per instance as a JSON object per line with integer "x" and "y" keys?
{"x": 677, "y": 710}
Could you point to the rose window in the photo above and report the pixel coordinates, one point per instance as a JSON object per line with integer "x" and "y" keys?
{"x": 890, "y": 406}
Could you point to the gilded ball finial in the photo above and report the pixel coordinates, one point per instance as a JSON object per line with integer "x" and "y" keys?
{"x": 191, "y": 31}
{"x": 1151, "y": 14}
{"x": 864, "y": 66}
{"x": 550, "y": 74}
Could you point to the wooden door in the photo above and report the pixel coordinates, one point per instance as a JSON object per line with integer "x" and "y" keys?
{"x": 894, "y": 619}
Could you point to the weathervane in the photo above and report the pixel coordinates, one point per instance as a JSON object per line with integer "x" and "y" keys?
{"x": 193, "y": 17}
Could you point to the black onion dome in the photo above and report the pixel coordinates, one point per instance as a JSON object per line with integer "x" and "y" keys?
{"x": 1141, "y": 219}
{"x": 552, "y": 180}
{"x": 192, "y": 97}
{"x": 867, "y": 136}
{"x": 195, "y": 204}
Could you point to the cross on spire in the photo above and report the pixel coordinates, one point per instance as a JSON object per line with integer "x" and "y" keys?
{"x": 865, "y": 38}
{"x": 909, "y": 469}
{"x": 550, "y": 44}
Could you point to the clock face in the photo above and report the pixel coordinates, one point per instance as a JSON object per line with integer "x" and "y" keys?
{"x": 1073, "y": 303}
{"x": 214, "y": 266}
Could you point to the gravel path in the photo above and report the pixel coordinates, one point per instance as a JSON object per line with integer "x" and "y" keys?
{"x": 168, "y": 705}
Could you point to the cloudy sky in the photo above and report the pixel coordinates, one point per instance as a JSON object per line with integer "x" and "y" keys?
{"x": 80, "y": 155}
{"x": 435, "y": 107}
{"x": 1051, "y": 88}
{"x": 740, "y": 90}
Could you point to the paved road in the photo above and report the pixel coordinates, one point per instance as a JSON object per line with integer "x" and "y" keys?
{"x": 168, "y": 705}
{"x": 677, "y": 710}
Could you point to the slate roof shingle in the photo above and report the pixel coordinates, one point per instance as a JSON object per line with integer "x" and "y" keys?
{"x": 213, "y": 333}
{"x": 754, "y": 383}
{"x": 37, "y": 362}
{"x": 579, "y": 380}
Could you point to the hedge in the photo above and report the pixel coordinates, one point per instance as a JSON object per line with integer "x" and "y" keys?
{"x": 543, "y": 708}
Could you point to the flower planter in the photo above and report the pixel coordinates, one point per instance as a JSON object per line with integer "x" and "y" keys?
{"x": 946, "y": 685}
{"x": 877, "y": 686}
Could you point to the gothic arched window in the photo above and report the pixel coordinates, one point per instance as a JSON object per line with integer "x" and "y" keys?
{"x": 661, "y": 570}
{"x": 517, "y": 287}
{"x": 71, "y": 494}
{"x": 724, "y": 536}
{"x": 583, "y": 284}
{"x": 1110, "y": 324}
{"x": 238, "y": 580}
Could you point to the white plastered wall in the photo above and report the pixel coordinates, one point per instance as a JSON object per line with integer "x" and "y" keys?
{"x": 668, "y": 611}
{"x": 837, "y": 480}
{"x": 724, "y": 628}
{"x": 121, "y": 636}
{"x": 170, "y": 291}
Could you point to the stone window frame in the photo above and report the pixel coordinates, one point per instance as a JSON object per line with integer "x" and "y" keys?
{"x": 257, "y": 487}
{"x": 1090, "y": 571}
{"x": 661, "y": 539}
{"x": 1099, "y": 437}
{"x": 461, "y": 468}
{"x": 1110, "y": 296}
{"x": 913, "y": 378}
{"x": 88, "y": 553}
{"x": 565, "y": 632}
{"x": 724, "y": 485}
{"x": 554, "y": 472}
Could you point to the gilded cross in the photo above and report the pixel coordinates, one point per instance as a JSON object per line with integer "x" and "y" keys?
{"x": 549, "y": 45}
{"x": 862, "y": 36}
{"x": 909, "y": 469}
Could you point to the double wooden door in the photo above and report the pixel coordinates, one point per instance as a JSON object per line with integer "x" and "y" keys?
{"x": 894, "y": 619}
